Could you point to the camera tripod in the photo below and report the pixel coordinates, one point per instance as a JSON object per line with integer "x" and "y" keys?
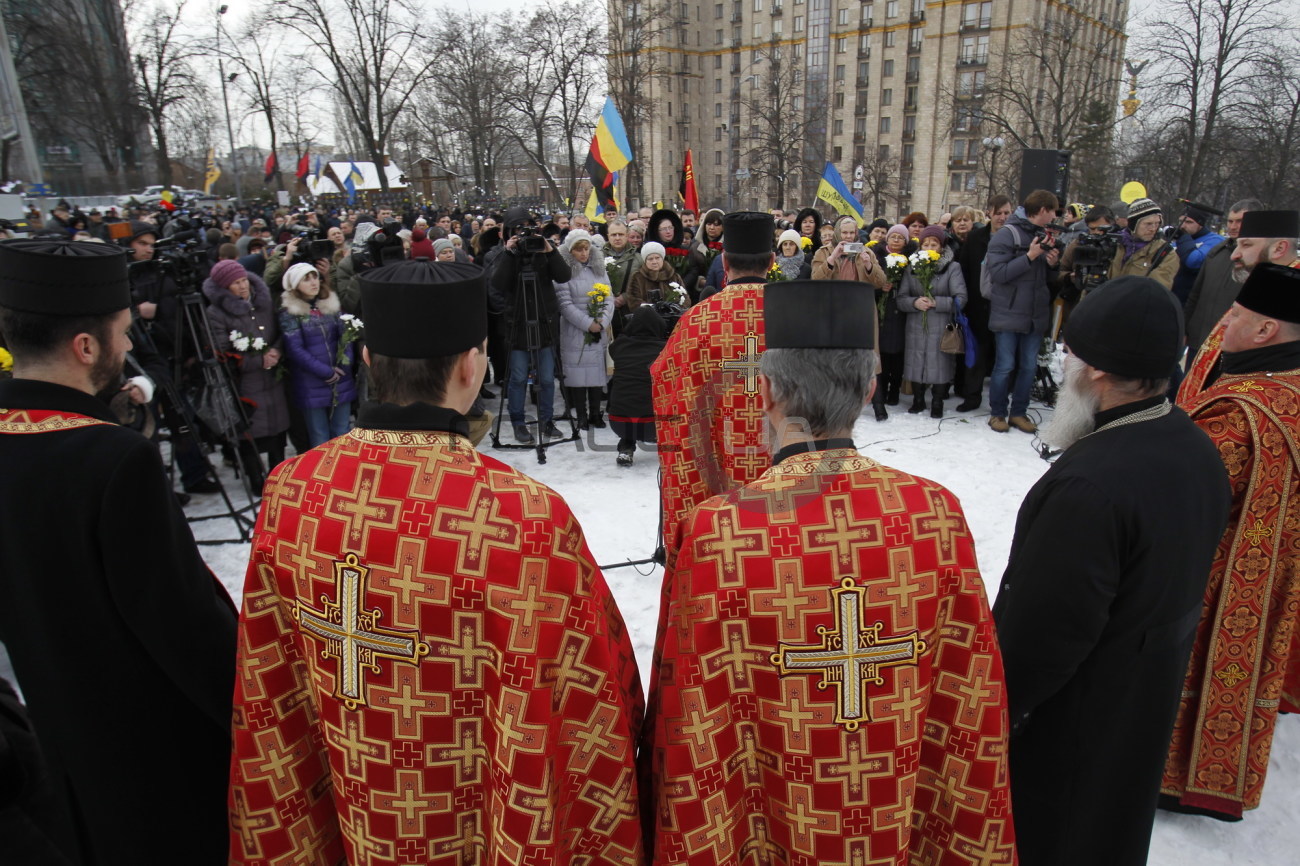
{"x": 536, "y": 323}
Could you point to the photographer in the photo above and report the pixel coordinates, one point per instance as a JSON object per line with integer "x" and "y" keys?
{"x": 1093, "y": 249}
{"x": 1142, "y": 250}
{"x": 1016, "y": 266}
{"x": 530, "y": 316}
{"x": 372, "y": 246}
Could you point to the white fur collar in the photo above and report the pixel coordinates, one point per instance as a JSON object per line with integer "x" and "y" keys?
{"x": 296, "y": 306}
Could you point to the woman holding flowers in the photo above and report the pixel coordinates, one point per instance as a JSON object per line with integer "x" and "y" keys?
{"x": 319, "y": 344}
{"x": 930, "y": 288}
{"x": 586, "y": 306}
{"x": 243, "y": 325}
{"x": 891, "y": 254}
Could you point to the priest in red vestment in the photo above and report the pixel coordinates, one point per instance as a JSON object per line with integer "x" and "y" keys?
{"x": 431, "y": 667}
{"x": 1245, "y": 665}
{"x": 705, "y": 382}
{"x": 1265, "y": 236}
{"x": 827, "y": 687}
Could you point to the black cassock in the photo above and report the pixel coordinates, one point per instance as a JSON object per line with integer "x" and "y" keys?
{"x": 1095, "y": 616}
{"x": 122, "y": 640}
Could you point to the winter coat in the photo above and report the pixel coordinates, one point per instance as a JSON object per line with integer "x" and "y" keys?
{"x": 701, "y": 256}
{"x": 970, "y": 258}
{"x": 583, "y": 362}
{"x": 652, "y": 229}
{"x": 633, "y": 352}
{"x": 254, "y": 317}
{"x": 823, "y": 271}
{"x": 811, "y": 251}
{"x": 922, "y": 360}
{"x": 1141, "y": 263}
{"x": 311, "y": 342}
{"x": 1020, "y": 302}
{"x": 518, "y": 308}
{"x": 1192, "y": 251}
{"x": 891, "y": 320}
{"x": 647, "y": 285}
{"x": 1212, "y": 295}
{"x": 620, "y": 267}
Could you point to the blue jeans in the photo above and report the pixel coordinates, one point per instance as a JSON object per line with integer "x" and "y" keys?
{"x": 324, "y": 423}
{"x": 519, "y": 362}
{"x": 1017, "y": 352}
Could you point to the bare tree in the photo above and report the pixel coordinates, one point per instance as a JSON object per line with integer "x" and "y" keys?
{"x": 165, "y": 78}
{"x": 633, "y": 62}
{"x": 569, "y": 47}
{"x": 773, "y": 146}
{"x": 1205, "y": 54}
{"x": 1268, "y": 139}
{"x": 261, "y": 62}
{"x": 374, "y": 60}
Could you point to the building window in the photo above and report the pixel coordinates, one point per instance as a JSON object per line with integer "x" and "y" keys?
{"x": 758, "y": 5}
{"x": 909, "y": 153}
{"x": 864, "y": 71}
{"x": 839, "y": 127}
{"x": 717, "y": 157}
{"x": 717, "y": 133}
{"x": 887, "y": 69}
{"x": 842, "y": 18}
{"x": 977, "y": 15}
{"x": 758, "y": 29}
{"x": 841, "y": 44}
{"x": 887, "y": 96}
{"x": 670, "y": 109}
{"x": 891, "y": 9}
{"x": 860, "y": 126}
{"x": 796, "y": 52}
{"x": 884, "y": 125}
{"x": 915, "y": 37}
{"x": 839, "y": 99}
{"x": 717, "y": 61}
{"x": 882, "y": 153}
{"x": 776, "y": 28}
{"x": 839, "y": 153}
{"x": 717, "y": 109}
{"x": 798, "y": 24}
{"x": 798, "y": 103}
{"x": 670, "y": 133}
{"x": 839, "y": 72}
{"x": 864, "y": 44}
{"x": 717, "y": 85}
{"x": 890, "y": 38}
{"x": 717, "y": 12}
{"x": 717, "y": 37}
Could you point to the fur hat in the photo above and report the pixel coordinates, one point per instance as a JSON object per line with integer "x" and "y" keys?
{"x": 226, "y": 273}
{"x": 652, "y": 248}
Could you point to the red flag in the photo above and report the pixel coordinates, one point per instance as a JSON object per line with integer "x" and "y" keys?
{"x": 303, "y": 167}
{"x": 690, "y": 191}
{"x": 272, "y": 166}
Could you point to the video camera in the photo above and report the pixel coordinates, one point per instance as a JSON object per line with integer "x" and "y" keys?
{"x": 1093, "y": 255}
{"x": 530, "y": 241}
{"x": 177, "y": 257}
{"x": 385, "y": 246}
{"x": 314, "y": 249}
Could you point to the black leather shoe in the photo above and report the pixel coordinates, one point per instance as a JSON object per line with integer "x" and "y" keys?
{"x": 551, "y": 431}
{"x": 522, "y": 434}
{"x": 969, "y": 404}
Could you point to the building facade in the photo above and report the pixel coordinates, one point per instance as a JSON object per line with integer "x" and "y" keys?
{"x": 919, "y": 105}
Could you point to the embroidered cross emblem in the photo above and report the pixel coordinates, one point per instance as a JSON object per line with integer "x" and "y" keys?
{"x": 850, "y": 655}
{"x": 352, "y": 635}
{"x": 1258, "y": 533}
{"x": 1246, "y": 386}
{"x": 746, "y": 364}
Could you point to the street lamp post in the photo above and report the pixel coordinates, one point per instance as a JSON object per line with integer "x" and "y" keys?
{"x": 225, "y": 101}
{"x": 994, "y": 144}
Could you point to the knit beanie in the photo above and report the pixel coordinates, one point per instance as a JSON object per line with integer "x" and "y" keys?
{"x": 899, "y": 229}
{"x": 788, "y": 235}
{"x": 421, "y": 248}
{"x": 441, "y": 244}
{"x": 936, "y": 232}
{"x": 879, "y": 223}
{"x": 1141, "y": 207}
{"x": 226, "y": 272}
{"x": 294, "y": 275}
{"x": 652, "y": 248}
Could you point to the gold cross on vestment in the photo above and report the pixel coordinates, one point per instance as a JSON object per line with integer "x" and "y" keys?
{"x": 1258, "y": 533}
{"x": 746, "y": 364}
{"x": 850, "y": 655}
{"x": 352, "y": 635}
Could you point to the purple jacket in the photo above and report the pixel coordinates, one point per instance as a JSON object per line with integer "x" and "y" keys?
{"x": 311, "y": 345}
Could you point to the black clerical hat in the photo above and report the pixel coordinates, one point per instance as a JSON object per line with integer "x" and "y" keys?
{"x": 60, "y": 277}
{"x": 819, "y": 314}
{"x": 1270, "y": 224}
{"x": 1273, "y": 291}
{"x": 424, "y": 309}
{"x": 1130, "y": 326}
{"x": 747, "y": 232}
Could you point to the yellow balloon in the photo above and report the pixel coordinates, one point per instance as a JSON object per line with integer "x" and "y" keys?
{"x": 1132, "y": 191}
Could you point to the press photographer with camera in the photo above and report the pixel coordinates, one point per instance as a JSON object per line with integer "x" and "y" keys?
{"x": 373, "y": 246}
{"x": 1015, "y": 283}
{"x": 1142, "y": 250}
{"x": 1087, "y": 260}
{"x": 524, "y": 274}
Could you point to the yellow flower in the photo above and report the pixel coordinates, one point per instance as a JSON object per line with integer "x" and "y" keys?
{"x": 934, "y": 256}
{"x": 805, "y": 242}
{"x": 6, "y": 360}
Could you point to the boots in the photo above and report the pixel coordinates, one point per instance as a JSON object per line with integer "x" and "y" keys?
{"x": 936, "y": 401}
{"x": 593, "y": 407}
{"x": 918, "y": 399}
{"x": 578, "y": 403}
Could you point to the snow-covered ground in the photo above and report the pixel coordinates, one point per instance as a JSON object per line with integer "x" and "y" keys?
{"x": 989, "y": 473}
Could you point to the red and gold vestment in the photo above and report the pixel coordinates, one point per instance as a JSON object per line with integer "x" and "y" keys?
{"x": 828, "y": 687}
{"x": 431, "y": 668}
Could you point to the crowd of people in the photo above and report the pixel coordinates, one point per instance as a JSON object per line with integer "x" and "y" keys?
{"x": 429, "y": 666}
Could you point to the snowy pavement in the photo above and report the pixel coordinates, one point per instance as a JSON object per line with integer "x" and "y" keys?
{"x": 989, "y": 472}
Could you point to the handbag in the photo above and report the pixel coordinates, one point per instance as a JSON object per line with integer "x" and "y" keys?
{"x": 971, "y": 349}
{"x": 952, "y": 343}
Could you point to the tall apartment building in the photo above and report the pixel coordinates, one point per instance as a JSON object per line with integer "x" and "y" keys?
{"x": 895, "y": 93}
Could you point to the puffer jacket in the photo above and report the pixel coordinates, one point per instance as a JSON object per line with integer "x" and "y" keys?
{"x": 922, "y": 360}
{"x": 633, "y": 352}
{"x": 584, "y": 363}
{"x": 1020, "y": 301}
{"x": 311, "y": 343}
{"x": 254, "y": 317}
